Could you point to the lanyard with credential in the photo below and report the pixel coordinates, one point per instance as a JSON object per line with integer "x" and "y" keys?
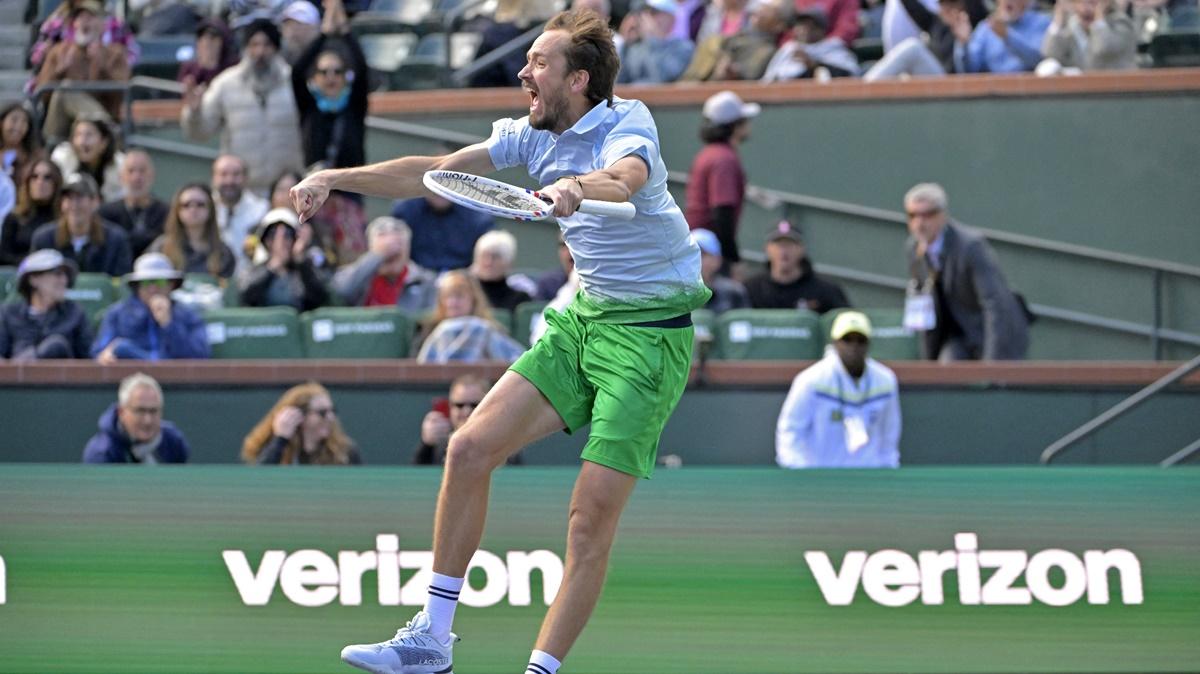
{"x": 841, "y": 412}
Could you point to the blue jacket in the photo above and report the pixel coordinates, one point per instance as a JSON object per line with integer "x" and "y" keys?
{"x": 112, "y": 445}
{"x": 142, "y": 338}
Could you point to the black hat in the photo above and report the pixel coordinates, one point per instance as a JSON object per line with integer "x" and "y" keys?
{"x": 784, "y": 230}
{"x": 81, "y": 183}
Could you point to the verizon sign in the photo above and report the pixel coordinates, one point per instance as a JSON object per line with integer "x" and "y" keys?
{"x": 315, "y": 578}
{"x": 1013, "y": 577}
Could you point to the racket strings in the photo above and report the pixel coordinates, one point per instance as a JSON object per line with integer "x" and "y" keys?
{"x": 493, "y": 195}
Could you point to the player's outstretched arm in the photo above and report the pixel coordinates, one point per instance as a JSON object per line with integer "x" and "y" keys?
{"x": 394, "y": 179}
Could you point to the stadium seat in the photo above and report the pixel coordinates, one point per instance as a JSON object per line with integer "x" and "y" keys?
{"x": 890, "y": 340}
{"x": 523, "y": 318}
{"x": 95, "y": 292}
{"x": 266, "y": 332}
{"x": 505, "y": 318}
{"x": 163, "y": 54}
{"x": 357, "y": 332}
{"x": 705, "y": 323}
{"x": 767, "y": 334}
{"x": 426, "y": 66}
{"x": 1176, "y": 49}
{"x": 385, "y": 52}
{"x": 7, "y": 274}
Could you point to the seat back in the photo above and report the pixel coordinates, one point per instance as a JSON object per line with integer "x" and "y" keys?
{"x": 357, "y": 332}
{"x": 767, "y": 334}
{"x": 523, "y": 318}
{"x": 260, "y": 332}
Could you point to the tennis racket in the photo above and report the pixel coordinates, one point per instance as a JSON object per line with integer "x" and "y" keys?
{"x": 509, "y": 201}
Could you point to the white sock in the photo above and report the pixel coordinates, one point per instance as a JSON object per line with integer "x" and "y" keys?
{"x": 541, "y": 662}
{"x": 440, "y": 604}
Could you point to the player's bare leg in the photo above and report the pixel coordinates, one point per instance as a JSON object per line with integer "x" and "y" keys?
{"x": 513, "y": 414}
{"x": 596, "y": 504}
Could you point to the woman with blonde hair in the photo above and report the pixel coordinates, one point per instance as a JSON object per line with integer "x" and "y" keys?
{"x": 191, "y": 238}
{"x": 461, "y": 327}
{"x": 302, "y": 428}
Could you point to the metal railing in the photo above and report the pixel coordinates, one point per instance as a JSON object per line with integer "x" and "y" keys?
{"x": 1158, "y": 269}
{"x": 1062, "y": 444}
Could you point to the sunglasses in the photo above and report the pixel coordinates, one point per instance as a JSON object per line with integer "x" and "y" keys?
{"x": 331, "y": 72}
{"x": 463, "y": 404}
{"x": 193, "y": 204}
{"x": 41, "y": 176}
{"x": 324, "y": 412}
{"x": 157, "y": 283}
{"x": 923, "y": 214}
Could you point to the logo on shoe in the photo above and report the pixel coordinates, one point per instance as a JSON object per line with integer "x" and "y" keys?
{"x": 985, "y": 577}
{"x": 314, "y": 578}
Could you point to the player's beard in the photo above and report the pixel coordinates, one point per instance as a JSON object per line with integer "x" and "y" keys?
{"x": 551, "y": 112}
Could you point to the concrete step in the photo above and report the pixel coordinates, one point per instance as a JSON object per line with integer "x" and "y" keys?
{"x": 12, "y": 84}
{"x": 12, "y": 12}
{"x": 12, "y": 57}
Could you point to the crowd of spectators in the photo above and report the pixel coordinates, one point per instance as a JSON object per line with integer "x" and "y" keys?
{"x": 284, "y": 90}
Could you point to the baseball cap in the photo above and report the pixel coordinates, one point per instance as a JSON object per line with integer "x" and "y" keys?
{"x": 784, "y": 230}
{"x": 81, "y": 183}
{"x": 848, "y": 322}
{"x": 727, "y": 107}
{"x": 302, "y": 11}
{"x": 707, "y": 240}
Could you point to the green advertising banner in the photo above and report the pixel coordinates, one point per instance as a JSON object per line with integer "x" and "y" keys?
{"x": 715, "y": 571}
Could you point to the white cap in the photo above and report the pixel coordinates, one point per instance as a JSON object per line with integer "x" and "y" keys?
{"x": 667, "y": 6}
{"x": 302, "y": 11}
{"x": 726, "y": 108}
{"x": 707, "y": 240}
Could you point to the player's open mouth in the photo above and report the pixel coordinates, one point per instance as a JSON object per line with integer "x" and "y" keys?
{"x": 533, "y": 99}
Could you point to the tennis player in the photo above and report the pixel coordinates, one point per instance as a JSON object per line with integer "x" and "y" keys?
{"x": 617, "y": 357}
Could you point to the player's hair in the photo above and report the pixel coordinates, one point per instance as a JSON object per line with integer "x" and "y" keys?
{"x": 590, "y": 47}
{"x": 930, "y": 193}
{"x": 335, "y": 449}
{"x": 500, "y": 242}
{"x": 132, "y": 383}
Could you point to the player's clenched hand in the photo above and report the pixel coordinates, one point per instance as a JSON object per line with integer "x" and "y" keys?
{"x": 566, "y": 193}
{"x": 310, "y": 194}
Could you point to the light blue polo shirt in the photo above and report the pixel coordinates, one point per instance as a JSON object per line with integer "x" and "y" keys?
{"x": 630, "y": 271}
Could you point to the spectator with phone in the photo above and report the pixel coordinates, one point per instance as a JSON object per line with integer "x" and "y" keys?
{"x": 283, "y": 274}
{"x": 447, "y": 416}
{"x": 302, "y": 428}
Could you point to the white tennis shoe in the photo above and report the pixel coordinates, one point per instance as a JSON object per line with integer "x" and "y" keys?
{"x": 412, "y": 651}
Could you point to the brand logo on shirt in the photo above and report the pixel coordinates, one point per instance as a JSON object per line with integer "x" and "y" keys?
{"x": 985, "y": 577}
{"x": 314, "y": 578}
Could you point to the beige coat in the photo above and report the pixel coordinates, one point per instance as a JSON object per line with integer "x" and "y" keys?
{"x": 265, "y": 134}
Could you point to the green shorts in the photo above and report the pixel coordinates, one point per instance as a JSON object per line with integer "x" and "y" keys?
{"x": 624, "y": 379}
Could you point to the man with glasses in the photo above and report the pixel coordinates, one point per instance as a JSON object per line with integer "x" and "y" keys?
{"x": 957, "y": 296}
{"x": 844, "y": 410}
{"x": 441, "y": 422}
{"x": 132, "y": 430}
{"x": 149, "y": 325}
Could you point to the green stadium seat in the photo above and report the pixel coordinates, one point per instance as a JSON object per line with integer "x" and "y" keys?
{"x": 266, "y": 332}
{"x": 7, "y": 276}
{"x": 96, "y": 292}
{"x": 357, "y": 332}
{"x": 890, "y": 340}
{"x": 705, "y": 324}
{"x": 505, "y": 318}
{"x": 523, "y": 319}
{"x": 767, "y": 334}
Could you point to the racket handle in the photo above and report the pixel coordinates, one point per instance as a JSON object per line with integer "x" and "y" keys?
{"x": 614, "y": 209}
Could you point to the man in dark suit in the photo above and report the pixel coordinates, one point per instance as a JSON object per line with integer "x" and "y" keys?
{"x": 958, "y": 298}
